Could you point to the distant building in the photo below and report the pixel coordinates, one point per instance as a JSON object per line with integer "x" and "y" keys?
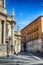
{"x": 17, "y": 41}
{"x": 32, "y": 35}
{"x": 7, "y": 34}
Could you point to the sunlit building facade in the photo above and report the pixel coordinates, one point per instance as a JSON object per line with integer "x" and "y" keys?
{"x": 17, "y": 40}
{"x": 32, "y": 35}
{"x": 7, "y": 34}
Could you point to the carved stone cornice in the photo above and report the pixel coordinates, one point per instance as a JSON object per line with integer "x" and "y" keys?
{"x": 3, "y": 10}
{"x": 10, "y": 19}
{"x": 3, "y": 14}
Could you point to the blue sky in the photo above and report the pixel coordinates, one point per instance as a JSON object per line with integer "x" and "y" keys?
{"x": 25, "y": 10}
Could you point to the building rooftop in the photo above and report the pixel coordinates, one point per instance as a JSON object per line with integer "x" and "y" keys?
{"x": 31, "y": 22}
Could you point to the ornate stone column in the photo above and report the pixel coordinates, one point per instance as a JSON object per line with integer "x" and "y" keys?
{"x": 19, "y": 44}
{"x": 12, "y": 38}
{"x": 4, "y": 33}
{"x": 0, "y": 33}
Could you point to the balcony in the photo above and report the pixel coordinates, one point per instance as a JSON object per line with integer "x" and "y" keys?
{"x": 32, "y": 31}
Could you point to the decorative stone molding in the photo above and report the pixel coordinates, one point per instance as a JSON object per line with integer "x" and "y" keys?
{"x": 3, "y": 10}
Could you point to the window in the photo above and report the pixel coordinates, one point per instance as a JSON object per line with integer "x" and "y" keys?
{"x": 34, "y": 28}
{"x": 37, "y": 35}
{"x": 32, "y": 36}
{"x": 37, "y": 28}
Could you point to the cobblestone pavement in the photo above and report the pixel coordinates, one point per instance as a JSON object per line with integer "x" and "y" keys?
{"x": 21, "y": 60}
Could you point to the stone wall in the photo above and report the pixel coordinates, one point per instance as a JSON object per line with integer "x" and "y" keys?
{"x": 3, "y": 50}
{"x": 34, "y": 45}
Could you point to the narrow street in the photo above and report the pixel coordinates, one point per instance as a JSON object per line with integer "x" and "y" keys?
{"x": 21, "y": 60}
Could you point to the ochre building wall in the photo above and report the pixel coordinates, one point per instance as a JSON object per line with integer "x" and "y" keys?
{"x": 33, "y": 32}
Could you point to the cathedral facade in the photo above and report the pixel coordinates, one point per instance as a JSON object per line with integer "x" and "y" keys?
{"x": 7, "y": 34}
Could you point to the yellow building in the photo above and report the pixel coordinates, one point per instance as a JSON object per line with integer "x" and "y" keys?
{"x": 32, "y": 35}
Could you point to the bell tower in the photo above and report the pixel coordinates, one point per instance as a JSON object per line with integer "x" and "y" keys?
{"x": 3, "y": 3}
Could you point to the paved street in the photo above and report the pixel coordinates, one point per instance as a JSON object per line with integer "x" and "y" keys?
{"x": 21, "y": 60}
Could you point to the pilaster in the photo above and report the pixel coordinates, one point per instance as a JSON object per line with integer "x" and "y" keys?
{"x": 5, "y": 3}
{"x": 12, "y": 37}
{"x": 4, "y": 34}
{"x": 0, "y": 33}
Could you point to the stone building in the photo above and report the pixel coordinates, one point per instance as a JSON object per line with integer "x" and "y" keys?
{"x": 7, "y": 24}
{"x": 32, "y": 35}
{"x": 17, "y": 41}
